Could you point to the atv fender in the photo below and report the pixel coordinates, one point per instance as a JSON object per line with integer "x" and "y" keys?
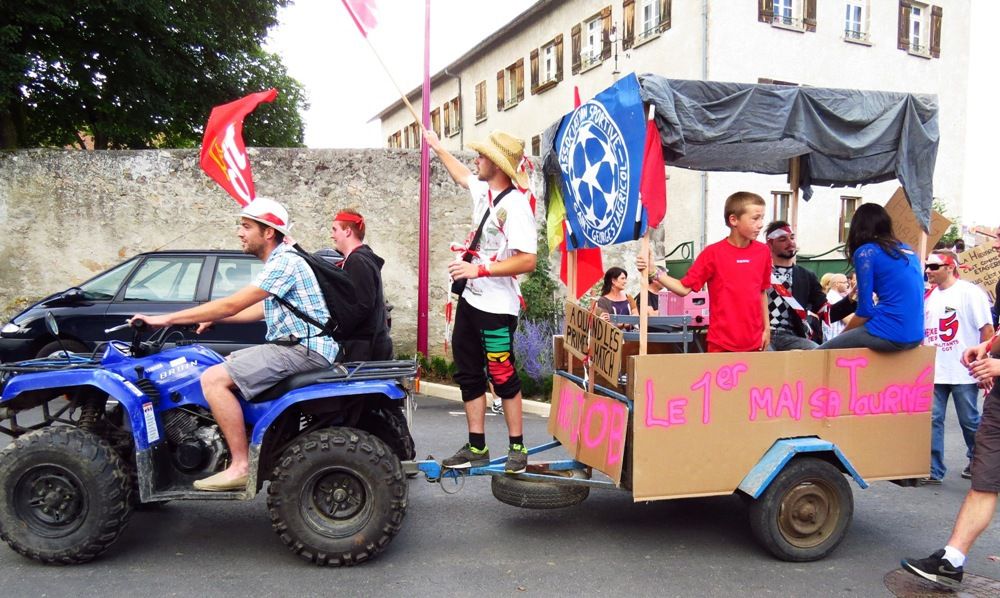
{"x": 264, "y": 414}
{"x": 126, "y": 393}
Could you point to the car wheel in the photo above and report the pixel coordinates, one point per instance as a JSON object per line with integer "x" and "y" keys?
{"x": 55, "y": 348}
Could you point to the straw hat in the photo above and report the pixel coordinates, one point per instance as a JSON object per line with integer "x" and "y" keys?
{"x": 506, "y": 151}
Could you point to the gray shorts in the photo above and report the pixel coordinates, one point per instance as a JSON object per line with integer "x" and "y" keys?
{"x": 255, "y": 369}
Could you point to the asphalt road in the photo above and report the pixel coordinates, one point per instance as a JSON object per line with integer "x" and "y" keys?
{"x": 469, "y": 544}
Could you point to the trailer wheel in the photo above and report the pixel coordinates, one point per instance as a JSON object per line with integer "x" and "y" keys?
{"x": 65, "y": 495}
{"x": 337, "y": 497}
{"x": 531, "y": 494}
{"x": 805, "y": 512}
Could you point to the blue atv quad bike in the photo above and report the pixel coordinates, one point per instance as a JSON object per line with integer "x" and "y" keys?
{"x": 96, "y": 435}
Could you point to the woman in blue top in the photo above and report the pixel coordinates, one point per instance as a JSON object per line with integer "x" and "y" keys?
{"x": 887, "y": 269}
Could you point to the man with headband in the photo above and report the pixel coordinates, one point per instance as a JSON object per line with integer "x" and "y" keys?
{"x": 483, "y": 337}
{"x": 370, "y": 340}
{"x": 956, "y": 317}
{"x": 795, "y": 291}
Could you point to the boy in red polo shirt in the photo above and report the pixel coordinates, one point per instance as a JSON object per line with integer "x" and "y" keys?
{"x": 738, "y": 272}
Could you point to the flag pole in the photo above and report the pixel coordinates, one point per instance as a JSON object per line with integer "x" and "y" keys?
{"x": 423, "y": 267}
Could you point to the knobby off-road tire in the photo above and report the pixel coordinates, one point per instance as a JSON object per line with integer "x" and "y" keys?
{"x": 337, "y": 497}
{"x": 530, "y": 494}
{"x": 389, "y": 424}
{"x": 65, "y": 495}
{"x": 805, "y": 512}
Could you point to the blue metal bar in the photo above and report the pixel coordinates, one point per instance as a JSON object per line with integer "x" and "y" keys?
{"x": 605, "y": 391}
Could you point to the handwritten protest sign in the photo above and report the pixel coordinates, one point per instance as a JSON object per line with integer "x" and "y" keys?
{"x": 592, "y": 428}
{"x": 906, "y": 227}
{"x": 605, "y": 340}
{"x": 702, "y": 421}
{"x": 981, "y": 266}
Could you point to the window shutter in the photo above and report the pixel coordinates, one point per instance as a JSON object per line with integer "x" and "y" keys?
{"x": 500, "y": 91}
{"x": 903, "y": 35}
{"x": 457, "y": 109}
{"x": 606, "y": 33}
{"x": 559, "y": 57}
{"x": 810, "y": 18}
{"x": 575, "y": 38}
{"x": 628, "y": 24}
{"x": 447, "y": 118}
{"x": 936, "y": 12}
{"x": 534, "y": 70}
{"x": 765, "y": 11}
{"x": 519, "y": 79}
{"x": 665, "y": 16}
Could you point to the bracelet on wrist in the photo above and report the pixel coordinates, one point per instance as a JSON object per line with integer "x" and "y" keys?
{"x": 483, "y": 271}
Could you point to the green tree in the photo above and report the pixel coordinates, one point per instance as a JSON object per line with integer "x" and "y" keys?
{"x": 138, "y": 73}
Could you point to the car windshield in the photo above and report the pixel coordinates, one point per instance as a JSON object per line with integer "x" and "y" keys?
{"x": 104, "y": 286}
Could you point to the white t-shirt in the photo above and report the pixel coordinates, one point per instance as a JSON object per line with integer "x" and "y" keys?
{"x": 833, "y": 328}
{"x": 952, "y": 320}
{"x": 511, "y": 227}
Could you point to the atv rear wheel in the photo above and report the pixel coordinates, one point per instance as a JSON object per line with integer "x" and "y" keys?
{"x": 65, "y": 495}
{"x": 337, "y": 497}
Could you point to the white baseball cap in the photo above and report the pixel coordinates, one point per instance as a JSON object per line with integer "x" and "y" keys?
{"x": 269, "y": 213}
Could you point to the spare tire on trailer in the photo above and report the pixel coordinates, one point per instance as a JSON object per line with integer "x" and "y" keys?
{"x": 530, "y": 493}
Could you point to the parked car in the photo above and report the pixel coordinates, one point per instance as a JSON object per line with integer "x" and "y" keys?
{"x": 151, "y": 283}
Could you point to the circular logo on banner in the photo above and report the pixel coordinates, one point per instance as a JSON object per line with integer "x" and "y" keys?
{"x": 594, "y": 157}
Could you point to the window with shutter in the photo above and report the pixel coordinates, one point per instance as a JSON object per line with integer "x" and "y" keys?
{"x": 918, "y": 29}
{"x": 575, "y": 40}
{"x": 592, "y": 40}
{"x": 765, "y": 11}
{"x": 559, "y": 57}
{"x": 903, "y": 30}
{"x": 455, "y": 123}
{"x": 501, "y": 91}
{"x": 628, "y": 24}
{"x": 546, "y": 67}
{"x": 664, "y": 16}
{"x": 606, "y": 33}
{"x": 436, "y": 121}
{"x": 447, "y": 119}
{"x": 936, "y": 14}
{"x": 533, "y": 57}
{"x": 480, "y": 102}
{"x": 797, "y": 15}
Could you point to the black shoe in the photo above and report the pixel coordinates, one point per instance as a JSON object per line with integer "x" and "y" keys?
{"x": 935, "y": 568}
{"x": 517, "y": 459}
{"x": 929, "y": 482}
{"x": 967, "y": 472}
{"x": 467, "y": 457}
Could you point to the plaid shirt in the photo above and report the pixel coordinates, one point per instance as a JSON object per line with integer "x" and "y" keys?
{"x": 288, "y": 276}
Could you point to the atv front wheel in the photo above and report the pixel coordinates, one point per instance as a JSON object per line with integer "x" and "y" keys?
{"x": 337, "y": 497}
{"x": 65, "y": 495}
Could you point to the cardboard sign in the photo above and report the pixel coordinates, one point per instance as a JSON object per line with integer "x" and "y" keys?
{"x": 587, "y": 334}
{"x": 981, "y": 266}
{"x": 702, "y": 422}
{"x": 906, "y": 227}
{"x": 591, "y": 427}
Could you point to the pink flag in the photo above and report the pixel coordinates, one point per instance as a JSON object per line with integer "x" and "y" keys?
{"x": 223, "y": 155}
{"x": 653, "y": 187}
{"x": 363, "y": 13}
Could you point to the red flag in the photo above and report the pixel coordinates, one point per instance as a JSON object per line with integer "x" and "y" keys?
{"x": 363, "y": 14}
{"x": 223, "y": 155}
{"x": 653, "y": 187}
{"x": 589, "y": 264}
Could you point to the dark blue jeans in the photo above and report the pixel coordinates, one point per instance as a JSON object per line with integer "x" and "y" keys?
{"x": 964, "y": 396}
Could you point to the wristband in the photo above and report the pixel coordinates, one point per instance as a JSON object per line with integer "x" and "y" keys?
{"x": 484, "y": 271}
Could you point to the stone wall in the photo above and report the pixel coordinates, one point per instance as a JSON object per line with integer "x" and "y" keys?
{"x": 68, "y": 215}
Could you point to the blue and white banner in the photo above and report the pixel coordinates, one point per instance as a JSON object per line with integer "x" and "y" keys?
{"x": 600, "y": 147}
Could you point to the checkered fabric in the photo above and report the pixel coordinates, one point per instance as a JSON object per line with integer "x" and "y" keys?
{"x": 781, "y": 313}
{"x": 287, "y": 275}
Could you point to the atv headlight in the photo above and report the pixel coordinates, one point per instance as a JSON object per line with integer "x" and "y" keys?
{"x": 10, "y": 328}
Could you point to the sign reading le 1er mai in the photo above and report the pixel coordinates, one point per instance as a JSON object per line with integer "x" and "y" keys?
{"x": 586, "y": 331}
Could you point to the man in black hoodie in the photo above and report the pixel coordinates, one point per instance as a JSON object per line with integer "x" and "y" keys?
{"x": 371, "y": 340}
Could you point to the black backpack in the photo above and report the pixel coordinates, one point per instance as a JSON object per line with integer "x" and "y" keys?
{"x": 346, "y": 313}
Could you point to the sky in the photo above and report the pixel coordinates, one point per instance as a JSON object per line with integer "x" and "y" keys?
{"x": 346, "y": 86}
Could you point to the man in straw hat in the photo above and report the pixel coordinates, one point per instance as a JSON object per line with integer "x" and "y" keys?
{"x": 293, "y": 345}
{"x": 488, "y": 304}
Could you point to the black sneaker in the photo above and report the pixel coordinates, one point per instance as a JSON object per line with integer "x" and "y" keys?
{"x": 935, "y": 568}
{"x": 967, "y": 472}
{"x": 517, "y": 459}
{"x": 467, "y": 457}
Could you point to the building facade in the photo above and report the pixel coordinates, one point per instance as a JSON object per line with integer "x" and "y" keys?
{"x": 521, "y": 79}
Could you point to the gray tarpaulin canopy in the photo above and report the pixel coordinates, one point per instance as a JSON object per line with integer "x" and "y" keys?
{"x": 843, "y": 137}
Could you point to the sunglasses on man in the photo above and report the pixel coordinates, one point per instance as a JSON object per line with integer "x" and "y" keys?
{"x": 933, "y": 267}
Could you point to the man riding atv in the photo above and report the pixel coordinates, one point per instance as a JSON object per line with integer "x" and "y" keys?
{"x": 293, "y": 345}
